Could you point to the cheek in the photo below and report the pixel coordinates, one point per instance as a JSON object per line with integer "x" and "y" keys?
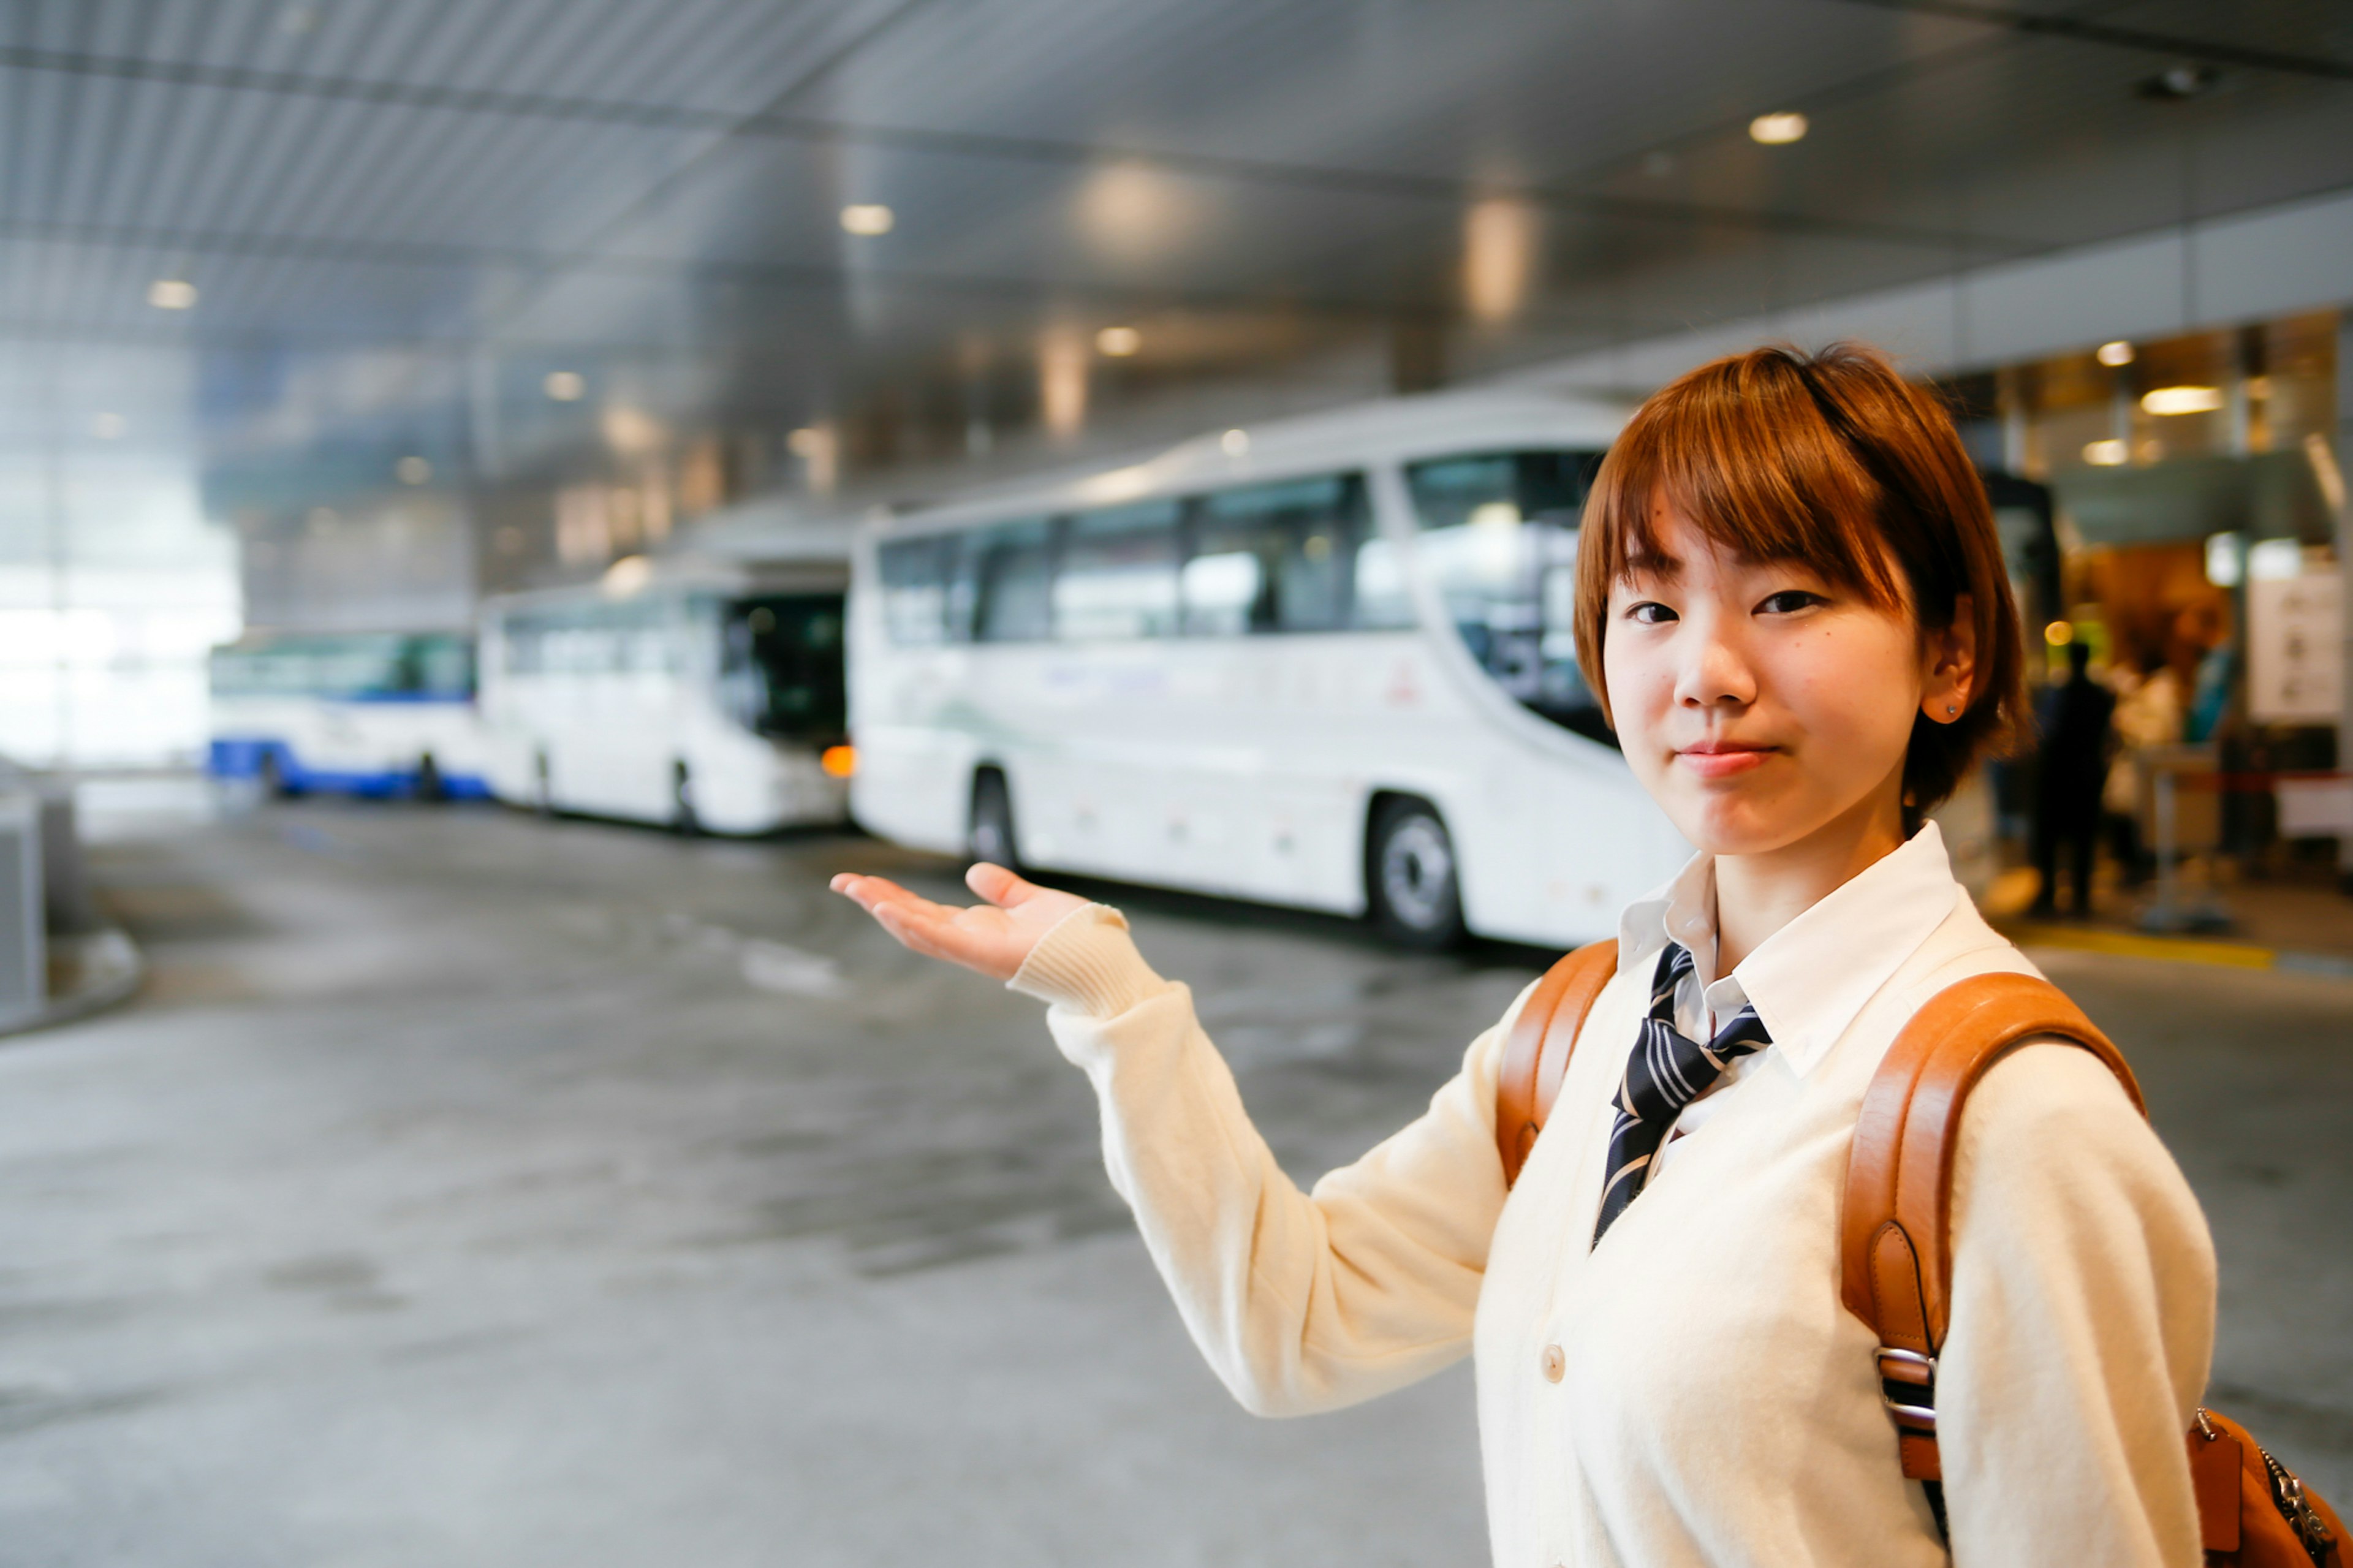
{"x": 1638, "y": 683}
{"x": 1854, "y": 684}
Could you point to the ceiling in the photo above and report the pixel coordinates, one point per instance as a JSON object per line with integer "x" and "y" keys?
{"x": 401, "y": 216}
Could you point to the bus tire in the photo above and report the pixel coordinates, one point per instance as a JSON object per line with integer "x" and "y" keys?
{"x": 1411, "y": 884}
{"x": 989, "y": 834}
{"x": 429, "y": 786}
{"x": 682, "y": 819}
{"x": 270, "y": 774}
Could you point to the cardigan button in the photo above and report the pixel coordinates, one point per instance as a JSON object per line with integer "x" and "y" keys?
{"x": 1553, "y": 1363}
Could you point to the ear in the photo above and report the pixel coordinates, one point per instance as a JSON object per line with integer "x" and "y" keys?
{"x": 1949, "y": 660}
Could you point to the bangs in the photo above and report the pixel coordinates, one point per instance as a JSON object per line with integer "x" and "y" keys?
{"x": 1750, "y": 461}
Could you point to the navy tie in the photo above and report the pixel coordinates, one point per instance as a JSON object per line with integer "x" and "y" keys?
{"x": 1667, "y": 1071}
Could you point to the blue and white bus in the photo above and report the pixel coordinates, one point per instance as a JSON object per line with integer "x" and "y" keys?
{"x": 369, "y": 714}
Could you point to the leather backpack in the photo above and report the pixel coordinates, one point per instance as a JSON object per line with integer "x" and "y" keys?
{"x": 1895, "y": 1245}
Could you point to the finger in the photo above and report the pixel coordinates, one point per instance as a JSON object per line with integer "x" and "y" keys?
{"x": 871, "y": 893}
{"x": 997, "y": 885}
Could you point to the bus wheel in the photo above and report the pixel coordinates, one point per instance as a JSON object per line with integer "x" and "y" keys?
{"x": 682, "y": 820}
{"x": 990, "y": 836}
{"x": 1410, "y": 876}
{"x": 429, "y": 779}
{"x": 270, "y": 775}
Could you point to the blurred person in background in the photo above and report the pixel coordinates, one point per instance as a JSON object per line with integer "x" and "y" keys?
{"x": 2072, "y": 721}
{"x": 2148, "y": 714}
{"x": 1791, "y": 600}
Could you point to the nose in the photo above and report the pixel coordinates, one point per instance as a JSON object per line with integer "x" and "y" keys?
{"x": 1715, "y": 670}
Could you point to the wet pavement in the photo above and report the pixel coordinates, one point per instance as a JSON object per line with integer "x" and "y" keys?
{"x": 466, "y": 1188}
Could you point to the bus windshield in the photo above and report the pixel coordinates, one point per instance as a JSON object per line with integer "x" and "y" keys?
{"x": 355, "y": 667}
{"x": 781, "y": 665}
{"x": 1498, "y": 534}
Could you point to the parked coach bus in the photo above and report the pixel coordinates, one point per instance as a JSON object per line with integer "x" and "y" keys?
{"x": 370, "y": 713}
{"x": 1327, "y": 663}
{"x": 704, "y": 697}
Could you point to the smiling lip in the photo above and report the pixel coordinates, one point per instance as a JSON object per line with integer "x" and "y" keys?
{"x": 1723, "y": 759}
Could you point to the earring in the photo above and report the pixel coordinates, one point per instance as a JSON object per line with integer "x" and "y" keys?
{"x": 1951, "y": 709}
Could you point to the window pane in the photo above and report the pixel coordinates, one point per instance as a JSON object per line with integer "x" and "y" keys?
{"x": 1498, "y": 533}
{"x": 919, "y": 590}
{"x": 1015, "y": 580}
{"x": 781, "y": 665}
{"x": 1118, "y": 574}
{"x": 1286, "y": 557}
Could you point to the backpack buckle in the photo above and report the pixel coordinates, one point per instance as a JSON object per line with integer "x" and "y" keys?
{"x": 1907, "y": 1386}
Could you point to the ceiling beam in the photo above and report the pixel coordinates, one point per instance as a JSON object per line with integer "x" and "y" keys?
{"x": 2083, "y": 30}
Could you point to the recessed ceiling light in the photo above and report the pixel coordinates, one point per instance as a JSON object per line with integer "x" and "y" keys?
{"x": 2181, "y": 82}
{"x": 108, "y": 427}
{"x": 1119, "y": 341}
{"x": 2182, "y": 400}
{"x": 1234, "y": 443}
{"x": 1777, "y": 129}
{"x": 2106, "y": 454}
{"x": 565, "y": 385}
{"x": 2116, "y": 353}
{"x": 172, "y": 294}
{"x": 868, "y": 217}
{"x": 413, "y": 470}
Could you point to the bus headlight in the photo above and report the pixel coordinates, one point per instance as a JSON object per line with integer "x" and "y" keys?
{"x": 839, "y": 761}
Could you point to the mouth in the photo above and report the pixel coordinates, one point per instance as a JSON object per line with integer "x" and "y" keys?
{"x": 1723, "y": 759}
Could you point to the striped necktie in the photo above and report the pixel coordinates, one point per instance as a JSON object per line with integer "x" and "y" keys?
{"x": 1667, "y": 1071}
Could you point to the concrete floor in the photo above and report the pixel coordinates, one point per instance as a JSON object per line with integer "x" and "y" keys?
{"x": 469, "y": 1189}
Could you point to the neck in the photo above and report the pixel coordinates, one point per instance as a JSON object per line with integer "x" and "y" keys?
{"x": 1757, "y": 895}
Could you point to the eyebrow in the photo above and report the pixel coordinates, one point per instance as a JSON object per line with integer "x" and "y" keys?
{"x": 1652, "y": 562}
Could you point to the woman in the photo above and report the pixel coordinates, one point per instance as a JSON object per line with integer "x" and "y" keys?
{"x": 1792, "y": 602}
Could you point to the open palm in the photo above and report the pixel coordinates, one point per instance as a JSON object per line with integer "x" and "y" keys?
{"x": 994, "y": 938}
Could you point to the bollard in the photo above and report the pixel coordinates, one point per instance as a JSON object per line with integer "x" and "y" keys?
{"x": 24, "y": 945}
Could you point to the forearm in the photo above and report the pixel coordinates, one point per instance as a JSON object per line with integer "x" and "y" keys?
{"x": 1300, "y": 1302}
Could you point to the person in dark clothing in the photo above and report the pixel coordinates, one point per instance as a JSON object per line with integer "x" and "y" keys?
{"x": 2073, "y": 718}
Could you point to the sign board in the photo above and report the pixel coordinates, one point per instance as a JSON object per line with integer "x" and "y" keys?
{"x": 2295, "y": 648}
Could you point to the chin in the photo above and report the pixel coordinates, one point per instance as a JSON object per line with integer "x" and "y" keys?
{"x": 1732, "y": 827}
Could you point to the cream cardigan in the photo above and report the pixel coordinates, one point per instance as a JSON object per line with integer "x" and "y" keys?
{"x": 1692, "y": 1392}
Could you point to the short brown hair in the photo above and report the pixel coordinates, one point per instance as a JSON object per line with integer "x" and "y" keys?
{"x": 1836, "y": 460}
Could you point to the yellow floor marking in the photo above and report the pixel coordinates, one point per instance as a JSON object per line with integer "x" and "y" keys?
{"x": 2134, "y": 944}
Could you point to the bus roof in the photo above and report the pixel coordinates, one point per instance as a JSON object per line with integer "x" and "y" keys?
{"x": 1392, "y": 429}
{"x": 648, "y": 576}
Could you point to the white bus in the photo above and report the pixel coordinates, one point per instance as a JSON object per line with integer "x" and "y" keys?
{"x": 702, "y": 696}
{"x": 368, "y": 713}
{"x": 1327, "y": 663}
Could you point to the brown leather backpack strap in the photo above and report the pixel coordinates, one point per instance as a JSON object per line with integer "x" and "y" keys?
{"x": 1535, "y": 1056}
{"x": 1896, "y": 1242}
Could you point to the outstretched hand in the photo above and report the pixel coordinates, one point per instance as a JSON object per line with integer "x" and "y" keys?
{"x": 994, "y": 938}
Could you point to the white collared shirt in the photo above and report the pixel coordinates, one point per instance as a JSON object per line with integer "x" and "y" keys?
{"x": 1692, "y": 1391}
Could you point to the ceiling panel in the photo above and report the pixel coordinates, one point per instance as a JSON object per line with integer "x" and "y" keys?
{"x": 650, "y": 189}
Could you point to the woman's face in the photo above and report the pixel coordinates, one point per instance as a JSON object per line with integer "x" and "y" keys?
{"x": 1758, "y": 702}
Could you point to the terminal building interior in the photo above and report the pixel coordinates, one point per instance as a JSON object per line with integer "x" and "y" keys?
{"x": 502, "y": 501}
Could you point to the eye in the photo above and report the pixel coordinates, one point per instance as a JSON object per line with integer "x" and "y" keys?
{"x": 1789, "y": 602}
{"x": 1649, "y": 613}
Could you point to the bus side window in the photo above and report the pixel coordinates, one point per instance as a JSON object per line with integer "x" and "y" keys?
{"x": 922, "y": 603}
{"x": 1117, "y": 576}
{"x": 1283, "y": 557}
{"x": 1015, "y": 580}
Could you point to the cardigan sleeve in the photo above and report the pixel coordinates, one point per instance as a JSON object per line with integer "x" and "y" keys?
{"x": 2082, "y": 1327}
{"x": 1301, "y": 1302}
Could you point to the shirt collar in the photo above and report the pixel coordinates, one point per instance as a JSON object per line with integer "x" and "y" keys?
{"x": 1809, "y": 979}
